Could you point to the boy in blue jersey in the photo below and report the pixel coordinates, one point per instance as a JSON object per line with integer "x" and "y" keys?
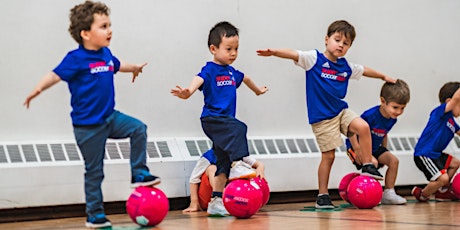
{"x": 202, "y": 179}
{"x": 438, "y": 166}
{"x": 89, "y": 71}
{"x": 327, "y": 76}
{"x": 219, "y": 80}
{"x": 393, "y": 100}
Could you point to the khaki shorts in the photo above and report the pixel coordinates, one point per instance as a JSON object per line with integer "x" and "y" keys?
{"x": 328, "y": 132}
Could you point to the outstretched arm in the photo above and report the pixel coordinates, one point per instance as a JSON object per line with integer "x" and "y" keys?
{"x": 47, "y": 81}
{"x": 250, "y": 83}
{"x": 185, "y": 93}
{"x": 131, "y": 68}
{"x": 369, "y": 72}
{"x": 282, "y": 53}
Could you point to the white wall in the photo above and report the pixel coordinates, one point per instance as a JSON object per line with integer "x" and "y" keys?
{"x": 416, "y": 40}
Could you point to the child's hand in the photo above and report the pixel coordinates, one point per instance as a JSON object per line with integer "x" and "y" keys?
{"x": 260, "y": 172}
{"x": 265, "y": 53}
{"x": 137, "y": 69}
{"x": 262, "y": 90}
{"x": 30, "y": 97}
{"x": 181, "y": 93}
{"x": 389, "y": 79}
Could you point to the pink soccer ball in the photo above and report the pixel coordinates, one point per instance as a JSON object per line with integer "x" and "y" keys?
{"x": 263, "y": 185}
{"x": 242, "y": 198}
{"x": 343, "y": 186}
{"x": 456, "y": 186}
{"x": 364, "y": 192}
{"x": 147, "y": 206}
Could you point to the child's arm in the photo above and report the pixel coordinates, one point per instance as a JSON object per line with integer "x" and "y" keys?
{"x": 260, "y": 169}
{"x": 187, "y": 92}
{"x": 250, "y": 83}
{"x": 47, "y": 81}
{"x": 282, "y": 53}
{"x": 131, "y": 68}
{"x": 453, "y": 102}
{"x": 194, "y": 202}
{"x": 369, "y": 72}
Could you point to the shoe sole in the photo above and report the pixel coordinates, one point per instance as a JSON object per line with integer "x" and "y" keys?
{"x": 372, "y": 175}
{"x": 324, "y": 206}
{"x": 104, "y": 225}
{"x": 147, "y": 184}
{"x": 247, "y": 176}
{"x": 393, "y": 203}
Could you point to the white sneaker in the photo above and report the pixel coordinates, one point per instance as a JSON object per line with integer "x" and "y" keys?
{"x": 241, "y": 170}
{"x": 390, "y": 197}
{"x": 216, "y": 207}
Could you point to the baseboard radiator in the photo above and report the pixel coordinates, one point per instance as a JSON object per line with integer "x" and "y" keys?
{"x": 48, "y": 174}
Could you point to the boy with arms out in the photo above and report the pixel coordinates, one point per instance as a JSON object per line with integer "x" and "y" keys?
{"x": 439, "y": 167}
{"x": 89, "y": 71}
{"x": 327, "y": 76}
{"x": 219, "y": 80}
{"x": 202, "y": 179}
{"x": 381, "y": 119}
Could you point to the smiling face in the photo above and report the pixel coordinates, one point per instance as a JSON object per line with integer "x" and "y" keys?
{"x": 391, "y": 109}
{"x": 227, "y": 52}
{"x": 337, "y": 46}
{"x": 99, "y": 35}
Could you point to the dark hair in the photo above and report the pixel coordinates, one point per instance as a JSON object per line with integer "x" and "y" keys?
{"x": 448, "y": 90}
{"x": 397, "y": 92}
{"x": 220, "y": 30}
{"x": 82, "y": 16}
{"x": 343, "y": 27}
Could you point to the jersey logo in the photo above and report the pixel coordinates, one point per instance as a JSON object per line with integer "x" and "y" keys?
{"x": 450, "y": 124}
{"x": 225, "y": 81}
{"x": 333, "y": 75}
{"x": 101, "y": 67}
{"x": 378, "y": 132}
{"x": 326, "y": 65}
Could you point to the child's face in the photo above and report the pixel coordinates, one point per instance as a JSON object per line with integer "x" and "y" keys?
{"x": 337, "y": 46}
{"x": 227, "y": 51}
{"x": 391, "y": 109}
{"x": 100, "y": 33}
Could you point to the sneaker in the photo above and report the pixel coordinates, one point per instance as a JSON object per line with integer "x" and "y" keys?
{"x": 390, "y": 197}
{"x": 141, "y": 180}
{"x": 324, "y": 202}
{"x": 417, "y": 193}
{"x": 372, "y": 171}
{"x": 352, "y": 155}
{"x": 445, "y": 194}
{"x": 216, "y": 207}
{"x": 97, "y": 221}
{"x": 241, "y": 170}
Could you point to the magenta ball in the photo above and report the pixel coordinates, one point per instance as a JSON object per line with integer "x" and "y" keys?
{"x": 456, "y": 186}
{"x": 364, "y": 192}
{"x": 242, "y": 198}
{"x": 147, "y": 206}
{"x": 343, "y": 186}
{"x": 263, "y": 185}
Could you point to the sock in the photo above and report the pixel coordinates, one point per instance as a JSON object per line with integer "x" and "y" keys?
{"x": 218, "y": 194}
{"x": 323, "y": 194}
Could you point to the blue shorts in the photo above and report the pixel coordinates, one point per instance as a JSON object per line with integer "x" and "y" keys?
{"x": 229, "y": 141}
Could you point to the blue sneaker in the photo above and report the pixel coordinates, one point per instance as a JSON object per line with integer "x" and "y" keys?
{"x": 141, "y": 180}
{"x": 97, "y": 221}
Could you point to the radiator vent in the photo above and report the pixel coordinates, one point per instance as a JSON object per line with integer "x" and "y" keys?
{"x": 69, "y": 152}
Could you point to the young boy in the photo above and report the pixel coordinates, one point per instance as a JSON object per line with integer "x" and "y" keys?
{"x": 89, "y": 71}
{"x": 393, "y": 101}
{"x": 202, "y": 179}
{"x": 438, "y": 166}
{"x": 327, "y": 76}
{"x": 219, "y": 80}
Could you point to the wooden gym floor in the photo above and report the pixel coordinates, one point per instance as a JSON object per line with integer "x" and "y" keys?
{"x": 413, "y": 215}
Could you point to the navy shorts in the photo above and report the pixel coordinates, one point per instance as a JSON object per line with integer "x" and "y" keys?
{"x": 433, "y": 168}
{"x": 229, "y": 141}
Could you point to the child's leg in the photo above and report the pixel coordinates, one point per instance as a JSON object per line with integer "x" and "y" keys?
{"x": 123, "y": 126}
{"x": 324, "y": 170}
{"x": 91, "y": 142}
{"x": 360, "y": 127}
{"x": 392, "y": 162}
